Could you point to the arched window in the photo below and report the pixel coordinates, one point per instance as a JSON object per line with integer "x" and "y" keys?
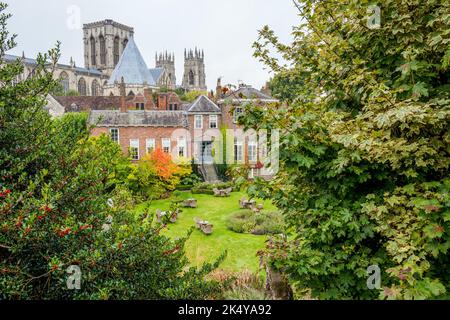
{"x": 116, "y": 50}
{"x": 95, "y": 88}
{"x": 93, "y": 52}
{"x": 131, "y": 93}
{"x": 64, "y": 81}
{"x": 125, "y": 42}
{"x": 82, "y": 87}
{"x": 102, "y": 50}
{"x": 191, "y": 78}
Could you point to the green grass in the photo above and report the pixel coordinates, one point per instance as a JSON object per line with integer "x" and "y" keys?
{"x": 241, "y": 248}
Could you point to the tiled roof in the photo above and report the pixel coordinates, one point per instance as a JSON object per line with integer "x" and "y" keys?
{"x": 132, "y": 67}
{"x": 248, "y": 93}
{"x": 29, "y": 61}
{"x": 108, "y": 118}
{"x": 156, "y": 73}
{"x": 203, "y": 104}
{"x": 87, "y": 103}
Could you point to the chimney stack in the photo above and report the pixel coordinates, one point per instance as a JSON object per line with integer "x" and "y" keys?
{"x": 123, "y": 102}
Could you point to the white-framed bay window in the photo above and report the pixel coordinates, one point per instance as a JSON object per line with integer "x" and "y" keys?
{"x": 134, "y": 149}
{"x": 150, "y": 145}
{"x": 166, "y": 145}
{"x": 198, "y": 121}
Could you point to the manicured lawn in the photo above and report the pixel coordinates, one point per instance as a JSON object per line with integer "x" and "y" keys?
{"x": 242, "y": 248}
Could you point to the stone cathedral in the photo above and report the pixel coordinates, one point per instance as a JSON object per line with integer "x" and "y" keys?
{"x": 112, "y": 59}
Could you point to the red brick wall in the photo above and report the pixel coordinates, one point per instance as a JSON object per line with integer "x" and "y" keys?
{"x": 141, "y": 133}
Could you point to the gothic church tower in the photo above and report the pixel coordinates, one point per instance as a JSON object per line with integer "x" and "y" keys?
{"x": 194, "y": 70}
{"x": 167, "y": 62}
{"x": 104, "y": 42}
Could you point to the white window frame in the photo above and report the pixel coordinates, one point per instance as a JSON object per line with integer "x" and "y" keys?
{"x": 196, "y": 117}
{"x": 150, "y": 143}
{"x": 236, "y": 114}
{"x": 118, "y": 134}
{"x": 165, "y": 145}
{"x": 238, "y": 151}
{"x": 213, "y": 118}
{"x": 252, "y": 155}
{"x": 134, "y": 144}
{"x": 181, "y": 145}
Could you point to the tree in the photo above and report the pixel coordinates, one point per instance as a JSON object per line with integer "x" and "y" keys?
{"x": 192, "y": 95}
{"x": 364, "y": 155}
{"x": 55, "y": 209}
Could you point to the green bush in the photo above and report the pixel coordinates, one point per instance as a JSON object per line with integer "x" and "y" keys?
{"x": 207, "y": 188}
{"x": 247, "y": 221}
{"x": 55, "y": 211}
{"x": 364, "y": 154}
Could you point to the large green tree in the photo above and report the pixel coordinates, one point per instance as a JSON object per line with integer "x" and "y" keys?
{"x": 364, "y": 154}
{"x": 55, "y": 209}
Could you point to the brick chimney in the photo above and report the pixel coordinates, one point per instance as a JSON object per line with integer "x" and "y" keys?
{"x": 123, "y": 102}
{"x": 149, "y": 103}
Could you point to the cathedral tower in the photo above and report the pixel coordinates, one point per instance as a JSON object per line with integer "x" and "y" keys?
{"x": 194, "y": 70}
{"x": 167, "y": 62}
{"x": 104, "y": 42}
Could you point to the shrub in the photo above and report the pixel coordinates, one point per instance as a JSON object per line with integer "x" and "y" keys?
{"x": 54, "y": 189}
{"x": 247, "y": 221}
{"x": 364, "y": 156}
{"x": 207, "y": 188}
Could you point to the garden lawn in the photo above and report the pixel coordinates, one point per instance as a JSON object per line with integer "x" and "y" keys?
{"x": 241, "y": 248}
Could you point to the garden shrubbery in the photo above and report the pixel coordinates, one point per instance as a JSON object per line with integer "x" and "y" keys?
{"x": 207, "y": 188}
{"x": 55, "y": 209}
{"x": 247, "y": 221}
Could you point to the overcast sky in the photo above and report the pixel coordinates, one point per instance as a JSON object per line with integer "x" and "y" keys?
{"x": 225, "y": 29}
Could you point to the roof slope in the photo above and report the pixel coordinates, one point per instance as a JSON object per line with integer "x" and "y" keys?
{"x": 30, "y": 61}
{"x": 132, "y": 67}
{"x": 249, "y": 93}
{"x": 108, "y": 118}
{"x": 87, "y": 103}
{"x": 203, "y": 104}
{"x": 156, "y": 73}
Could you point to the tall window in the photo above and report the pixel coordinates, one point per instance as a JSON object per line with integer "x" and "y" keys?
{"x": 237, "y": 113}
{"x": 102, "y": 50}
{"x": 114, "y": 133}
{"x": 134, "y": 149}
{"x": 166, "y": 145}
{"x": 198, "y": 122}
{"x": 191, "y": 78}
{"x": 93, "y": 52}
{"x": 64, "y": 81}
{"x": 213, "y": 121}
{"x": 181, "y": 146}
{"x": 140, "y": 106}
{"x": 238, "y": 150}
{"x": 82, "y": 87}
{"x": 150, "y": 145}
{"x": 95, "y": 88}
{"x": 116, "y": 50}
{"x": 252, "y": 151}
{"x": 125, "y": 42}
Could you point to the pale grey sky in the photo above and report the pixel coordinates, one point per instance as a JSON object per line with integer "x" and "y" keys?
{"x": 225, "y": 29}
